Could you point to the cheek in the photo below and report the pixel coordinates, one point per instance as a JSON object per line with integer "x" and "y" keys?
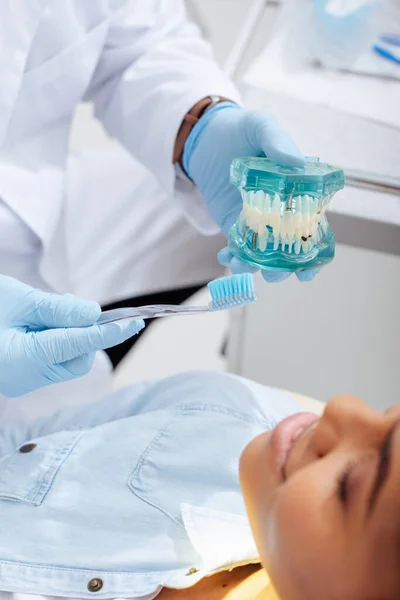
{"x": 277, "y": 511}
{"x": 297, "y": 525}
{"x": 302, "y": 540}
{"x": 292, "y": 523}
{"x": 257, "y": 477}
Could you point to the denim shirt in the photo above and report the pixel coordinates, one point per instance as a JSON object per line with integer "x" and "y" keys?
{"x": 133, "y": 493}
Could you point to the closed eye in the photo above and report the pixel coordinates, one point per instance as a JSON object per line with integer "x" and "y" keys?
{"x": 382, "y": 473}
{"x": 383, "y": 470}
{"x": 342, "y": 486}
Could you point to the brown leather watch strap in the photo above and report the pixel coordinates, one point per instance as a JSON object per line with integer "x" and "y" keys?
{"x": 190, "y": 119}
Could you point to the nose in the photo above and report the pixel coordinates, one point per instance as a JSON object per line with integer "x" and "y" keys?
{"x": 348, "y": 421}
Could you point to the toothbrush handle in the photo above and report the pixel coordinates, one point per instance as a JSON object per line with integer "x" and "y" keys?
{"x": 150, "y": 312}
{"x": 386, "y": 54}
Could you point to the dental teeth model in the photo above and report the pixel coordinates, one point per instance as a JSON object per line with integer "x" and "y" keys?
{"x": 283, "y": 225}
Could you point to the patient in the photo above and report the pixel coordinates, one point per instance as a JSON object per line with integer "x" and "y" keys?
{"x": 138, "y": 496}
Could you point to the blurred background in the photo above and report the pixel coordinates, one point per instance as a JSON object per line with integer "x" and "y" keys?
{"x": 337, "y": 91}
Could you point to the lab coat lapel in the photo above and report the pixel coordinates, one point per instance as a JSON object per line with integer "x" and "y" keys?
{"x": 18, "y": 24}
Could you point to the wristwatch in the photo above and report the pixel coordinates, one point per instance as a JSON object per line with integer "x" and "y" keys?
{"x": 190, "y": 119}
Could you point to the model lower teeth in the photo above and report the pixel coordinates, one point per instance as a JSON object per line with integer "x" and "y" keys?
{"x": 295, "y": 225}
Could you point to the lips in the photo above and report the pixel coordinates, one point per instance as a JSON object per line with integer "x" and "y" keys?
{"x": 286, "y": 433}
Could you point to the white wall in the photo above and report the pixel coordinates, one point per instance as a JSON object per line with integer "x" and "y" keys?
{"x": 339, "y": 334}
{"x": 222, "y": 21}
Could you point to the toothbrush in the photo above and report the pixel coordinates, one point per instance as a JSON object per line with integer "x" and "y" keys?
{"x": 391, "y": 40}
{"x": 227, "y": 292}
{"x": 386, "y": 54}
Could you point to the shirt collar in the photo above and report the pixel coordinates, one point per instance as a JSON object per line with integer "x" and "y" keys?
{"x": 223, "y": 540}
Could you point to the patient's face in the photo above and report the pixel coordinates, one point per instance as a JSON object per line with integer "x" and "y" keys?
{"x": 323, "y": 497}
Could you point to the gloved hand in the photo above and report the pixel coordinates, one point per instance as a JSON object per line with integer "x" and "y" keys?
{"x": 225, "y": 132}
{"x": 47, "y": 338}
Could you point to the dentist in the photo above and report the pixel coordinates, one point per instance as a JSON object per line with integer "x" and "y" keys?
{"x": 157, "y": 90}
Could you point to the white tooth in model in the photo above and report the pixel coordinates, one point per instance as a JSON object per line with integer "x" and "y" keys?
{"x": 262, "y": 240}
{"x": 289, "y": 225}
{"x": 252, "y": 215}
{"x": 298, "y": 220}
{"x": 263, "y": 221}
{"x": 276, "y": 214}
{"x": 259, "y": 200}
{"x": 304, "y": 246}
{"x": 246, "y": 212}
{"x": 306, "y": 215}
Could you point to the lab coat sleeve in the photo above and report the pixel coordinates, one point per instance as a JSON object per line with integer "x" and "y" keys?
{"x": 154, "y": 67}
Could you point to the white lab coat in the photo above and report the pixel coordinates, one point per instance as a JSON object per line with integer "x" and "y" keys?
{"x": 143, "y": 65}
{"x": 115, "y": 258}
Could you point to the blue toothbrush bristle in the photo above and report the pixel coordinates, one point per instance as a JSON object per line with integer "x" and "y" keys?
{"x": 235, "y": 290}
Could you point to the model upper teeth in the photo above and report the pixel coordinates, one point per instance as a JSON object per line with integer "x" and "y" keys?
{"x": 295, "y": 227}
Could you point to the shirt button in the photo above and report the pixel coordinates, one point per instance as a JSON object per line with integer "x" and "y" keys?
{"x": 95, "y": 585}
{"x": 27, "y": 448}
{"x": 192, "y": 571}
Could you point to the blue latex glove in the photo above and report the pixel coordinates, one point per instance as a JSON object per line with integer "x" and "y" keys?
{"x": 225, "y": 132}
{"x": 47, "y": 338}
